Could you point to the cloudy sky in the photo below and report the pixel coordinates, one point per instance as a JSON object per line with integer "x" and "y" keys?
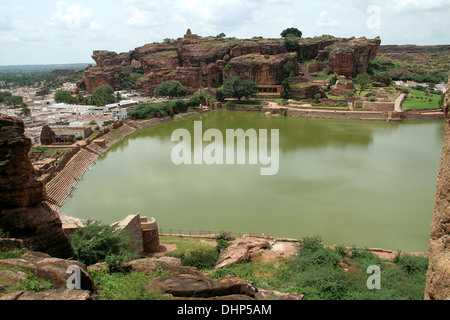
{"x": 53, "y": 32}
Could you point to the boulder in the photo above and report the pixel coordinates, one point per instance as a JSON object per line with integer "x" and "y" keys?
{"x": 200, "y": 286}
{"x": 240, "y": 251}
{"x": 264, "y": 294}
{"x": 51, "y": 269}
{"x": 152, "y": 265}
{"x": 53, "y": 294}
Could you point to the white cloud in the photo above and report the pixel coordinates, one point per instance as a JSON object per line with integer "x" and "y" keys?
{"x": 325, "y": 20}
{"x": 399, "y": 6}
{"x": 71, "y": 17}
{"x": 95, "y": 26}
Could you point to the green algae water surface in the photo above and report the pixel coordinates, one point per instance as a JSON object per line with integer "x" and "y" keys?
{"x": 364, "y": 183}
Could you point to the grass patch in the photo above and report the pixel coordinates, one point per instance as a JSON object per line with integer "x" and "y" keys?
{"x": 417, "y": 100}
{"x": 29, "y": 283}
{"x": 127, "y": 286}
{"x": 185, "y": 244}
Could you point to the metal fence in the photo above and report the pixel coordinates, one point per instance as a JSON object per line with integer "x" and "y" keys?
{"x": 205, "y": 233}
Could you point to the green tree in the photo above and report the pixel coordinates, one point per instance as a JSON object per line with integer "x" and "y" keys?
{"x": 234, "y": 87}
{"x": 13, "y": 101}
{"x": 291, "y": 44}
{"x": 64, "y": 96}
{"x": 286, "y": 89}
{"x": 25, "y": 111}
{"x": 288, "y": 69}
{"x": 4, "y": 95}
{"x": 364, "y": 81}
{"x": 291, "y": 32}
{"x": 103, "y": 95}
{"x": 170, "y": 89}
{"x": 221, "y": 35}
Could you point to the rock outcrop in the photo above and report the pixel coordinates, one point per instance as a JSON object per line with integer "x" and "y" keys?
{"x": 23, "y": 213}
{"x": 240, "y": 251}
{"x": 352, "y": 57}
{"x": 52, "y": 269}
{"x": 438, "y": 277}
{"x": 207, "y": 61}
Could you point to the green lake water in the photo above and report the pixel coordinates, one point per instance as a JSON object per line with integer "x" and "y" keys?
{"x": 354, "y": 182}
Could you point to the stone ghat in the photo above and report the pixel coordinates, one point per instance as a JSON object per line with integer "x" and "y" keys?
{"x": 60, "y": 187}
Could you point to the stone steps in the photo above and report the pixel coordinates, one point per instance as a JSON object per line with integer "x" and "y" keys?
{"x": 60, "y": 187}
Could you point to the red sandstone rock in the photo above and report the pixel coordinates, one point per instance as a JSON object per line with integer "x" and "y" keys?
{"x": 199, "y": 62}
{"x": 23, "y": 213}
{"x": 51, "y": 269}
{"x": 438, "y": 279}
{"x": 240, "y": 251}
{"x": 200, "y": 286}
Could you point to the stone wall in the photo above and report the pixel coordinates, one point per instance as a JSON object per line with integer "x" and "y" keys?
{"x": 150, "y": 235}
{"x": 438, "y": 277}
{"x": 132, "y": 226}
{"x": 335, "y": 114}
{"x": 379, "y": 106}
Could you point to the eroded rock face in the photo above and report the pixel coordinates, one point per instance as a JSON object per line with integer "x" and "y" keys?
{"x": 352, "y": 57}
{"x": 438, "y": 277}
{"x": 205, "y": 62}
{"x": 23, "y": 213}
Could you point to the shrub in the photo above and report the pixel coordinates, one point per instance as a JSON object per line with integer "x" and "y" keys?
{"x": 149, "y": 110}
{"x": 317, "y": 98}
{"x": 17, "y": 253}
{"x": 179, "y": 106}
{"x": 200, "y": 258}
{"x": 195, "y": 100}
{"x": 323, "y": 282}
{"x": 225, "y": 235}
{"x": 99, "y": 243}
{"x": 411, "y": 264}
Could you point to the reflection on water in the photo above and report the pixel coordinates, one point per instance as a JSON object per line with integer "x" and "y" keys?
{"x": 368, "y": 183}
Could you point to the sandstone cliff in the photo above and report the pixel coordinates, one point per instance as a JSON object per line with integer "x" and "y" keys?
{"x": 438, "y": 277}
{"x": 23, "y": 213}
{"x": 207, "y": 61}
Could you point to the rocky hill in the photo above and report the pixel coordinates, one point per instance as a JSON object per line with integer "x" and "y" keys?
{"x": 206, "y": 61}
{"x": 428, "y": 64}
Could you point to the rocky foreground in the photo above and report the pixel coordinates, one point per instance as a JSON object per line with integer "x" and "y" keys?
{"x": 183, "y": 283}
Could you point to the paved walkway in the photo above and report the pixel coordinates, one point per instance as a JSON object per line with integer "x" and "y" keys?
{"x": 398, "y": 102}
